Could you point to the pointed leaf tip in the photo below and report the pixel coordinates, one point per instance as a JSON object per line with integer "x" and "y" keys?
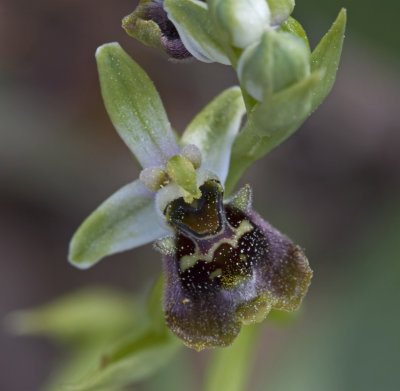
{"x": 326, "y": 57}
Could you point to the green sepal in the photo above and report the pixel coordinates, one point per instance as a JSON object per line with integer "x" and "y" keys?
{"x": 192, "y": 20}
{"x": 138, "y": 26}
{"x": 269, "y": 124}
{"x": 134, "y": 106}
{"x": 126, "y": 220}
{"x": 326, "y": 57}
{"x": 214, "y": 129}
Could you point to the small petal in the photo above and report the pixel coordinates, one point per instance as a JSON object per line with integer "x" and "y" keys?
{"x": 214, "y": 130}
{"x": 226, "y": 268}
{"x": 134, "y": 106}
{"x": 192, "y": 20}
{"x": 126, "y": 220}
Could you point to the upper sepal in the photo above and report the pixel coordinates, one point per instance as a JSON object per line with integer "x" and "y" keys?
{"x": 126, "y": 220}
{"x": 134, "y": 106}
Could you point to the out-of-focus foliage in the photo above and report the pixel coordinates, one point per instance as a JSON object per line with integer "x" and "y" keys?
{"x": 373, "y": 22}
{"x": 352, "y": 342}
{"x": 111, "y": 342}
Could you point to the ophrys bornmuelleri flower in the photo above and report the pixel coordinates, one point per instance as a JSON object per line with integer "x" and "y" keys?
{"x": 224, "y": 265}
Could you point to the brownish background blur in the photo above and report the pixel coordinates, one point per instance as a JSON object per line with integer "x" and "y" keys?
{"x": 334, "y": 187}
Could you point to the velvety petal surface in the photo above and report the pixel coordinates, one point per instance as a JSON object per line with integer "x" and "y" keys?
{"x": 126, "y": 220}
{"x": 228, "y": 267}
{"x": 134, "y": 106}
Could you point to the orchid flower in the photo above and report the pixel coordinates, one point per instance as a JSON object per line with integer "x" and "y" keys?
{"x": 224, "y": 265}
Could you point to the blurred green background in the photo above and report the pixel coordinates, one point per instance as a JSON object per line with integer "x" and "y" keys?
{"x": 334, "y": 188}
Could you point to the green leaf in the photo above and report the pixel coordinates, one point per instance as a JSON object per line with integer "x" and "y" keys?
{"x": 326, "y": 57}
{"x": 229, "y": 368}
{"x": 269, "y": 124}
{"x": 80, "y": 317}
{"x": 135, "y": 107}
{"x": 134, "y": 359}
{"x": 192, "y": 20}
{"x": 275, "y": 119}
{"x": 214, "y": 129}
{"x": 126, "y": 220}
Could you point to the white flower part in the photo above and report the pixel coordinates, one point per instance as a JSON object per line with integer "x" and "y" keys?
{"x": 191, "y": 19}
{"x": 244, "y": 20}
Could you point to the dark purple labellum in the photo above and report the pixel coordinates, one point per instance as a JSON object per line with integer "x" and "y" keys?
{"x": 228, "y": 267}
{"x": 149, "y": 23}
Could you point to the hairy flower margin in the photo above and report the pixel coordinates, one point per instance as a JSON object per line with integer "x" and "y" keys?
{"x": 224, "y": 265}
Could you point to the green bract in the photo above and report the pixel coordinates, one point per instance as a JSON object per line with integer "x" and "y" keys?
{"x": 274, "y": 119}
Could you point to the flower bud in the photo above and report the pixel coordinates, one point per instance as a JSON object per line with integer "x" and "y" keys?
{"x": 242, "y": 21}
{"x": 150, "y": 25}
{"x": 280, "y": 10}
{"x": 278, "y": 60}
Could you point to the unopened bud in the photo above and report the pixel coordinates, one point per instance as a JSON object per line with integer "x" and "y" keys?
{"x": 280, "y": 10}
{"x": 243, "y": 21}
{"x": 278, "y": 60}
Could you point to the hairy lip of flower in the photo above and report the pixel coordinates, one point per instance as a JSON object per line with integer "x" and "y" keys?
{"x": 234, "y": 273}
